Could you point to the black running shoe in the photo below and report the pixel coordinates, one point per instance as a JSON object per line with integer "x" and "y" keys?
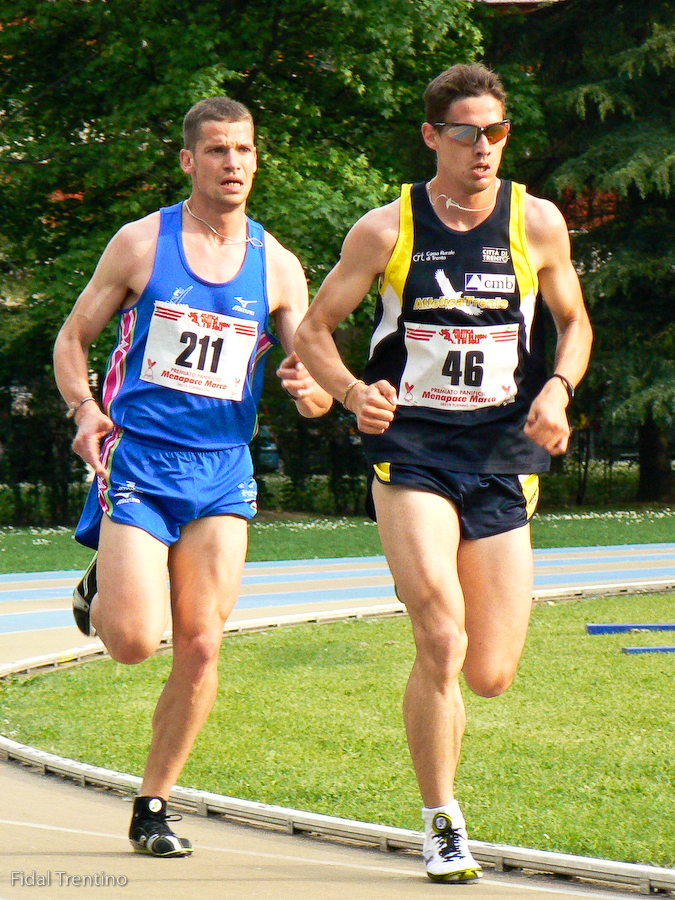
{"x": 150, "y": 833}
{"x": 83, "y": 594}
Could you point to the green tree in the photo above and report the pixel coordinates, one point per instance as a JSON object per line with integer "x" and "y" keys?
{"x": 603, "y": 75}
{"x": 92, "y": 93}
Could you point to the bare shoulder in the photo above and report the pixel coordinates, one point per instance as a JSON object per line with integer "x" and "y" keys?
{"x": 282, "y": 264}
{"x": 375, "y": 234}
{"x": 280, "y": 260}
{"x": 543, "y": 219}
{"x": 130, "y": 256}
{"x": 382, "y": 221}
{"x": 286, "y": 281}
{"x": 139, "y": 237}
{"x": 546, "y": 229}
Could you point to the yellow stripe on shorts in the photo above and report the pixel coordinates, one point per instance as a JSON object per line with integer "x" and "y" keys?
{"x": 530, "y": 486}
{"x": 383, "y": 471}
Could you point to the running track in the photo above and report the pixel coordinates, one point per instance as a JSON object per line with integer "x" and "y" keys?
{"x": 40, "y": 602}
{"x": 51, "y": 827}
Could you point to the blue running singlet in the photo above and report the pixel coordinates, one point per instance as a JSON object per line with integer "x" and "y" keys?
{"x": 185, "y": 371}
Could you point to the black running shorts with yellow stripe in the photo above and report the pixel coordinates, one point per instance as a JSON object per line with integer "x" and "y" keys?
{"x": 486, "y": 504}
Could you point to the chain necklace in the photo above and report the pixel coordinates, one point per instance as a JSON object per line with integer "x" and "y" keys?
{"x": 450, "y": 202}
{"x": 224, "y": 237}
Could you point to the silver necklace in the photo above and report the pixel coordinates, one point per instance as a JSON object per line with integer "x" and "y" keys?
{"x": 224, "y": 237}
{"x": 450, "y": 202}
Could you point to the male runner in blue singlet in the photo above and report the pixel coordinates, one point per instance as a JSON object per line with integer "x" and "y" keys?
{"x": 457, "y": 414}
{"x": 192, "y": 286}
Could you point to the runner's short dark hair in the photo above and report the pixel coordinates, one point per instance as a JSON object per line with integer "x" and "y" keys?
{"x": 457, "y": 83}
{"x": 212, "y": 109}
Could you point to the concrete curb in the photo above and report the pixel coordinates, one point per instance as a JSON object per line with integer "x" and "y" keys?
{"x": 502, "y": 857}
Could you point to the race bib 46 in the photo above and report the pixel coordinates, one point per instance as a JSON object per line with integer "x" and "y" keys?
{"x": 459, "y": 368}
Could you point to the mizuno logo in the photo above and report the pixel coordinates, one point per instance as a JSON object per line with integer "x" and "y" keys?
{"x": 242, "y": 305}
{"x": 180, "y": 293}
{"x": 126, "y": 493}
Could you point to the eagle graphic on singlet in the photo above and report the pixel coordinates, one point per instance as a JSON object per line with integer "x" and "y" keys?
{"x": 458, "y": 332}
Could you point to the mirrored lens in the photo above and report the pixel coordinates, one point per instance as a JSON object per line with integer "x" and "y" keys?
{"x": 496, "y": 132}
{"x": 465, "y": 134}
{"x": 471, "y": 134}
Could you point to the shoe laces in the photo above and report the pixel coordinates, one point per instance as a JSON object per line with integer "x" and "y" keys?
{"x": 156, "y": 823}
{"x": 173, "y": 817}
{"x": 448, "y": 843}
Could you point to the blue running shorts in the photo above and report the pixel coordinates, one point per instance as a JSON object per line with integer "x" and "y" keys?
{"x": 161, "y": 490}
{"x": 486, "y": 504}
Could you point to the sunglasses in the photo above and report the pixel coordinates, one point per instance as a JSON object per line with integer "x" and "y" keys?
{"x": 471, "y": 134}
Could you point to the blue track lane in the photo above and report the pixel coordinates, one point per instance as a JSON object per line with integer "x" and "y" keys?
{"x": 359, "y": 580}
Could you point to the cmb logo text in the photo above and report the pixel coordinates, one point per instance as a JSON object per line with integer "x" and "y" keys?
{"x": 490, "y": 283}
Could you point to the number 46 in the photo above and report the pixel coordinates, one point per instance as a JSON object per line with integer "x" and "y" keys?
{"x": 473, "y": 370}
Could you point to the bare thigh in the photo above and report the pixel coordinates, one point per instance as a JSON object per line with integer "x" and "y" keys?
{"x": 206, "y": 566}
{"x": 497, "y": 579}
{"x": 420, "y": 536}
{"x": 132, "y": 585}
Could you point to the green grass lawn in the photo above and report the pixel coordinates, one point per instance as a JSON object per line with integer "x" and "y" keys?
{"x": 298, "y": 536}
{"x": 576, "y": 757}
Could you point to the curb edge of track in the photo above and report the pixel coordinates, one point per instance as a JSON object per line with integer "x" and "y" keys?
{"x": 501, "y": 857}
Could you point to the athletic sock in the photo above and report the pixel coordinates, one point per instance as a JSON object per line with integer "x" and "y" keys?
{"x": 450, "y": 809}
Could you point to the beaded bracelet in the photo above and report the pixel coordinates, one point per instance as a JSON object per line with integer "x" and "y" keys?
{"x": 350, "y": 387}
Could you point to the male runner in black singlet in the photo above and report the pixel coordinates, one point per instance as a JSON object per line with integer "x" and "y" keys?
{"x": 457, "y": 414}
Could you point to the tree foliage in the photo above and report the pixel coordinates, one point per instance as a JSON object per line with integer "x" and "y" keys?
{"x": 331, "y": 85}
{"x": 605, "y": 77}
{"x": 92, "y": 95}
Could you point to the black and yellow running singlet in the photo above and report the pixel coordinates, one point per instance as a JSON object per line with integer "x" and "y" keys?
{"x": 458, "y": 332}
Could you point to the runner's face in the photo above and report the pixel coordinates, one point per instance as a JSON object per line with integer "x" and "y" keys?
{"x": 473, "y": 168}
{"x": 223, "y": 163}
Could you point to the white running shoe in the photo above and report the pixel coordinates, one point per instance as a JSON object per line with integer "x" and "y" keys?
{"x": 446, "y": 849}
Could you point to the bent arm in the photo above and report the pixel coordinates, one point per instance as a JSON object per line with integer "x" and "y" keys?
{"x": 547, "y": 422}
{"x": 365, "y": 253}
{"x": 106, "y": 292}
